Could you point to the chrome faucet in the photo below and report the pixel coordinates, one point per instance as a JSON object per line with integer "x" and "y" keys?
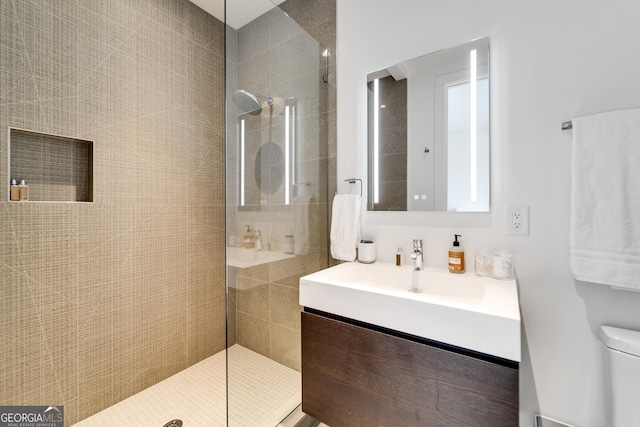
{"x": 416, "y": 255}
{"x": 418, "y": 264}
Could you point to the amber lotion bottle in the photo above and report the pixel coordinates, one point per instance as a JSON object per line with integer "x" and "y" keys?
{"x": 456, "y": 256}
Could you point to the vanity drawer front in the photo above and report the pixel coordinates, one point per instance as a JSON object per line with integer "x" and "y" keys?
{"x": 355, "y": 376}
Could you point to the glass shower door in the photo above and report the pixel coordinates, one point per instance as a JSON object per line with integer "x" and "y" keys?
{"x": 276, "y": 220}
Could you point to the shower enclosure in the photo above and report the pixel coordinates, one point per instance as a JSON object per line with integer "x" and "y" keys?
{"x": 122, "y": 291}
{"x": 106, "y": 292}
{"x": 277, "y": 201}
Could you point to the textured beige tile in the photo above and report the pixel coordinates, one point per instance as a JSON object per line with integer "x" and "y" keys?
{"x": 288, "y": 271}
{"x": 258, "y": 272}
{"x": 254, "y": 333}
{"x": 253, "y": 297}
{"x": 110, "y": 297}
{"x": 285, "y": 310}
{"x": 285, "y": 346}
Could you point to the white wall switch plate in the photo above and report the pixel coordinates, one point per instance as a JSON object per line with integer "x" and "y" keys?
{"x": 518, "y": 220}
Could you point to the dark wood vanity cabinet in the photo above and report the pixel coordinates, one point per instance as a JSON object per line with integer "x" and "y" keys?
{"x": 357, "y": 375}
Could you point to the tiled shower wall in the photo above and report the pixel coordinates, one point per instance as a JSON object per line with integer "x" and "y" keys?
{"x": 100, "y": 300}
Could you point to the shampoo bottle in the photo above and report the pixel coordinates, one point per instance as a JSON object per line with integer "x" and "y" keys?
{"x": 456, "y": 256}
{"x": 24, "y": 190}
{"x": 14, "y": 193}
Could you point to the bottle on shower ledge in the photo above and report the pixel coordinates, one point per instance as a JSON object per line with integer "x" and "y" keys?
{"x": 14, "y": 191}
{"x": 24, "y": 190}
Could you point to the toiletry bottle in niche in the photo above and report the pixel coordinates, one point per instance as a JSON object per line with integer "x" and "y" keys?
{"x": 456, "y": 256}
{"x": 249, "y": 241}
{"x": 399, "y": 258}
{"x": 24, "y": 190}
{"x": 14, "y": 191}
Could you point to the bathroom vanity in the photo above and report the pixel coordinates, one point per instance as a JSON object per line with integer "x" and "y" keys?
{"x": 368, "y": 358}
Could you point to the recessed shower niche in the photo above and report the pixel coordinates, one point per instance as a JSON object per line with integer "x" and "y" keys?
{"x": 55, "y": 168}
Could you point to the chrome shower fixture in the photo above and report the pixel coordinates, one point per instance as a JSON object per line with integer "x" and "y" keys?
{"x": 248, "y": 102}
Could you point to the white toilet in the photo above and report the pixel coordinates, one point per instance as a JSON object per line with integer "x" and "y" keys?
{"x": 621, "y": 376}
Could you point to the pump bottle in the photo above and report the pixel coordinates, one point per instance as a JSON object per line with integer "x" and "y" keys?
{"x": 456, "y": 257}
{"x": 249, "y": 240}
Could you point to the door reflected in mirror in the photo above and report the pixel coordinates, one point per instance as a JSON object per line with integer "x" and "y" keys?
{"x": 429, "y": 134}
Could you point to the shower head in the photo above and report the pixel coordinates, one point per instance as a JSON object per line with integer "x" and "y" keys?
{"x": 248, "y": 103}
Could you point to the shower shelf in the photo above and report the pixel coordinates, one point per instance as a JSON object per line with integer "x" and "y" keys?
{"x": 56, "y": 168}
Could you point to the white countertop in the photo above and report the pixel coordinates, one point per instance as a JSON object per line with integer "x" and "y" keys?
{"x": 468, "y": 311}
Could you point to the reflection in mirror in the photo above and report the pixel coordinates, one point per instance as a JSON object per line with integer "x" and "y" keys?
{"x": 266, "y": 169}
{"x": 267, "y": 178}
{"x": 428, "y": 132}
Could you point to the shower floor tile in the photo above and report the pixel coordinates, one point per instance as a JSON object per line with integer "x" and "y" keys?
{"x": 261, "y": 393}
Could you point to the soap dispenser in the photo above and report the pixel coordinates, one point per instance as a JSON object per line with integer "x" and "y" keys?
{"x": 456, "y": 256}
{"x": 249, "y": 241}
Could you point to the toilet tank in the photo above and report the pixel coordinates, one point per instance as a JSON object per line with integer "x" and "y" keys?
{"x": 622, "y": 376}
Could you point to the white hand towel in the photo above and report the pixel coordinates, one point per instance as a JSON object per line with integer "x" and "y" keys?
{"x": 345, "y": 226}
{"x": 605, "y": 199}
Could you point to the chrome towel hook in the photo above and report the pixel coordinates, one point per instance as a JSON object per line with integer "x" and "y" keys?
{"x": 353, "y": 181}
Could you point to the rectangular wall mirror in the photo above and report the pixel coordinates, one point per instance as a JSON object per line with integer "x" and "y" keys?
{"x": 428, "y": 132}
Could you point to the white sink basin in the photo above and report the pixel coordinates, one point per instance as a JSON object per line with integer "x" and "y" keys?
{"x": 464, "y": 310}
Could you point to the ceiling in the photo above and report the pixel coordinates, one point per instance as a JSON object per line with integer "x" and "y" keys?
{"x": 240, "y": 12}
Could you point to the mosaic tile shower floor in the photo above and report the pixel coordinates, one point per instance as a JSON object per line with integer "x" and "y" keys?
{"x": 261, "y": 393}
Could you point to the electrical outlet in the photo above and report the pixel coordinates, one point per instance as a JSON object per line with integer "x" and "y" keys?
{"x": 518, "y": 220}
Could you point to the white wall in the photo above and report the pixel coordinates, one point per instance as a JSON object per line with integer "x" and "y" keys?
{"x": 551, "y": 61}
